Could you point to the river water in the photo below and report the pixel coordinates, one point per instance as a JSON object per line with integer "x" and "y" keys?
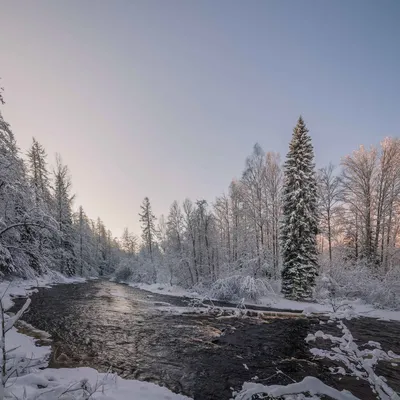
{"x": 106, "y": 325}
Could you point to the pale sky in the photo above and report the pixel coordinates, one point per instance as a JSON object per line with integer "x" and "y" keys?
{"x": 166, "y": 98}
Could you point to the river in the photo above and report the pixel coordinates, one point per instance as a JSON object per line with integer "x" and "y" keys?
{"x": 106, "y": 325}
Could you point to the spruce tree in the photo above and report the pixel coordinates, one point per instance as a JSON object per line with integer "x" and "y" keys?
{"x": 39, "y": 175}
{"x": 300, "y": 217}
{"x": 63, "y": 215}
{"x": 149, "y": 232}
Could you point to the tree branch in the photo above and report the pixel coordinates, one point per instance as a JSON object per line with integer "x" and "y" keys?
{"x": 21, "y": 224}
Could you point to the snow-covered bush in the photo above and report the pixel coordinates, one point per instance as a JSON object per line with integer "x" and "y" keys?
{"x": 239, "y": 287}
{"x": 348, "y": 281}
{"x": 124, "y": 272}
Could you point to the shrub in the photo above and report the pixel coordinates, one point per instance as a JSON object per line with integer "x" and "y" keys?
{"x": 124, "y": 273}
{"x": 361, "y": 282}
{"x": 239, "y": 287}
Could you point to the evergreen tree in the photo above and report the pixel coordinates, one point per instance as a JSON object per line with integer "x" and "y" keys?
{"x": 63, "y": 215}
{"x": 149, "y": 232}
{"x": 300, "y": 217}
{"x": 39, "y": 175}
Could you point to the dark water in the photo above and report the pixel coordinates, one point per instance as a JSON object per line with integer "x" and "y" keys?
{"x": 106, "y": 325}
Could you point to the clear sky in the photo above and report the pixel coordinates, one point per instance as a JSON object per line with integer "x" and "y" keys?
{"x": 166, "y": 98}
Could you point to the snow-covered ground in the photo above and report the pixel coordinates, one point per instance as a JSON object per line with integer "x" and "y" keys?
{"x": 357, "y": 307}
{"x": 65, "y": 383}
{"x": 164, "y": 288}
{"x": 85, "y": 383}
{"x": 75, "y": 383}
{"x": 23, "y": 287}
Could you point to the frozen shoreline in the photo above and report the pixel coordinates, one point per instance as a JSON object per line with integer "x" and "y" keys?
{"x": 51, "y": 383}
{"x": 358, "y": 307}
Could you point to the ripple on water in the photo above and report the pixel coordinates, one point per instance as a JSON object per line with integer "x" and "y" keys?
{"x": 104, "y": 324}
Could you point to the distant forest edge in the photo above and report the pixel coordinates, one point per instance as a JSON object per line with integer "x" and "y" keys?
{"x": 303, "y": 230}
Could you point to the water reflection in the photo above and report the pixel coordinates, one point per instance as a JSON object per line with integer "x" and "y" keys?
{"x": 106, "y": 325}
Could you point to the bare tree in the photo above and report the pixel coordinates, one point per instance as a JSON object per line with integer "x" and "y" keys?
{"x": 273, "y": 184}
{"x": 359, "y": 179}
{"x": 329, "y": 192}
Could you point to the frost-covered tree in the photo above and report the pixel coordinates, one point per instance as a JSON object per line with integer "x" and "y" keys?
{"x": 84, "y": 244}
{"x": 300, "y": 217}
{"x": 177, "y": 260}
{"x": 329, "y": 193}
{"x": 63, "y": 215}
{"x": 239, "y": 223}
{"x": 1, "y": 95}
{"x": 175, "y": 227}
{"x": 39, "y": 174}
{"x": 149, "y": 232}
{"x": 129, "y": 242}
{"x": 371, "y": 186}
{"x": 21, "y": 219}
{"x": 253, "y": 180}
{"x": 38, "y": 229}
{"x": 273, "y": 190}
{"x": 359, "y": 178}
{"x": 222, "y": 214}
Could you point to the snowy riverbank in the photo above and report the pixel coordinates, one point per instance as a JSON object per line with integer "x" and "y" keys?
{"x": 84, "y": 383}
{"x": 65, "y": 383}
{"x": 357, "y": 307}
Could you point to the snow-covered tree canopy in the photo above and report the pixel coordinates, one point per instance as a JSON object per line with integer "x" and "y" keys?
{"x": 300, "y": 217}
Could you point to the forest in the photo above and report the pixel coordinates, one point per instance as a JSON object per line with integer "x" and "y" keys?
{"x": 199, "y": 200}
{"x": 241, "y": 234}
{"x": 229, "y": 247}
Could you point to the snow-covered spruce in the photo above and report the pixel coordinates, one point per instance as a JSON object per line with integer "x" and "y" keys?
{"x": 300, "y": 217}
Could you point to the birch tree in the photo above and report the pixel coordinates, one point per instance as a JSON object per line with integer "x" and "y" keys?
{"x": 329, "y": 193}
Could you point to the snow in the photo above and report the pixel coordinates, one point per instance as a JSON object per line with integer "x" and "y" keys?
{"x": 164, "y": 288}
{"x": 78, "y": 381}
{"x": 25, "y": 347}
{"x": 310, "y": 310}
{"x": 356, "y": 307}
{"x": 53, "y": 382}
{"x": 358, "y": 362}
{"x": 24, "y": 287}
{"x": 66, "y": 383}
{"x": 308, "y": 385}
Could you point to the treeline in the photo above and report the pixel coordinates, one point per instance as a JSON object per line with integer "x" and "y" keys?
{"x": 242, "y": 232}
{"x": 39, "y": 230}
{"x": 357, "y": 214}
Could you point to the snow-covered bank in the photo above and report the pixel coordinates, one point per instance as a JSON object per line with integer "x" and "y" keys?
{"x": 84, "y": 383}
{"x": 71, "y": 383}
{"x": 164, "y": 288}
{"x": 67, "y": 383}
{"x": 24, "y": 287}
{"x": 357, "y": 306}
